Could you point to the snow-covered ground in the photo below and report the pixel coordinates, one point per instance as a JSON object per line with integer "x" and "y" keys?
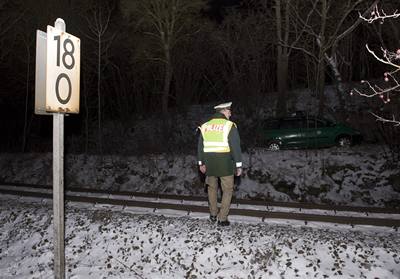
{"x": 354, "y": 176}
{"x": 116, "y": 242}
{"x": 108, "y": 242}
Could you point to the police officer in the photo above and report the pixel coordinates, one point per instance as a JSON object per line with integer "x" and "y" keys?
{"x": 220, "y": 156}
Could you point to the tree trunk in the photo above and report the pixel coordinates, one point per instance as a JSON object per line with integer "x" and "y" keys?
{"x": 340, "y": 89}
{"x": 282, "y": 76}
{"x": 100, "y": 136}
{"x": 282, "y": 63}
{"x": 167, "y": 79}
{"x": 320, "y": 85}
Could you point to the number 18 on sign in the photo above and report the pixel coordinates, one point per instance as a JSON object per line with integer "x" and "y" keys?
{"x": 62, "y": 71}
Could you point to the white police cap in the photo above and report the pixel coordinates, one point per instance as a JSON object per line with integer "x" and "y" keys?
{"x": 224, "y": 105}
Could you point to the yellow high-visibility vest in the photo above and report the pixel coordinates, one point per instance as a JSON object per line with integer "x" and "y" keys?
{"x": 215, "y": 135}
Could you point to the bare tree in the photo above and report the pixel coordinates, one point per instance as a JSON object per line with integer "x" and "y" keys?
{"x": 332, "y": 22}
{"x": 17, "y": 42}
{"x": 189, "y": 76}
{"x": 282, "y": 62}
{"x": 98, "y": 17}
{"x": 245, "y": 52}
{"x": 341, "y": 32}
{"x": 289, "y": 32}
{"x": 165, "y": 22}
{"x": 28, "y": 43}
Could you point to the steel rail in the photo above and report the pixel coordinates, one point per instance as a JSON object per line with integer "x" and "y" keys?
{"x": 264, "y": 215}
{"x": 265, "y": 202}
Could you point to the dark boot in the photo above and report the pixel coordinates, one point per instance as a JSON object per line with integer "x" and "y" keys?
{"x": 224, "y": 223}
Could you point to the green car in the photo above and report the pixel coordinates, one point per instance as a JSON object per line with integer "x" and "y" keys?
{"x": 306, "y": 132}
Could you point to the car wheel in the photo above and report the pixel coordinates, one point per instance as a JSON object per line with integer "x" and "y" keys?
{"x": 273, "y": 146}
{"x": 344, "y": 141}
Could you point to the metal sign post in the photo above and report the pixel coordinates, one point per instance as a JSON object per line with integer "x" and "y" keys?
{"x": 56, "y": 93}
{"x": 58, "y": 195}
{"x": 58, "y": 186}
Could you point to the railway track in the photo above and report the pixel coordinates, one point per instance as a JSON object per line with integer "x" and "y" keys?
{"x": 265, "y": 210}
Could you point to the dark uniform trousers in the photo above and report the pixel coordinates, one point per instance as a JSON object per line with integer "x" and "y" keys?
{"x": 227, "y": 190}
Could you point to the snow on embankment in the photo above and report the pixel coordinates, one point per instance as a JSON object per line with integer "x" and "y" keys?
{"x": 355, "y": 176}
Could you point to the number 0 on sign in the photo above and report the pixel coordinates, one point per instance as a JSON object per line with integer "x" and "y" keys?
{"x": 62, "y": 71}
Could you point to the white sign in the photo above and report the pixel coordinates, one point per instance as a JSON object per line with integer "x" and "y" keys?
{"x": 62, "y": 71}
{"x": 40, "y": 74}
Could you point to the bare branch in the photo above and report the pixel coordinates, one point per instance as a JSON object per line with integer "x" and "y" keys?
{"x": 389, "y": 58}
{"x": 393, "y": 120}
{"x": 309, "y": 53}
{"x": 376, "y": 91}
{"x": 380, "y": 15}
{"x": 355, "y": 24}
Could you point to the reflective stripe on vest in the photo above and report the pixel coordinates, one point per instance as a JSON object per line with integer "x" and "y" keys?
{"x": 215, "y": 135}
